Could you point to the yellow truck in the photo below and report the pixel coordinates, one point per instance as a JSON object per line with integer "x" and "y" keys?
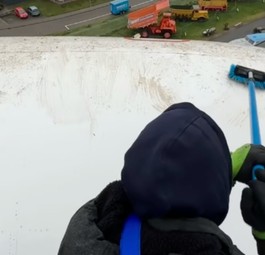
{"x": 213, "y": 5}
{"x": 188, "y": 12}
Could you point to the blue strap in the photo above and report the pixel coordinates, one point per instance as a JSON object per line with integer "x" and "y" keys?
{"x": 130, "y": 237}
{"x": 254, "y": 122}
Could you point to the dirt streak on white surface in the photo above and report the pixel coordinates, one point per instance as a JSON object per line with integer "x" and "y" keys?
{"x": 70, "y": 107}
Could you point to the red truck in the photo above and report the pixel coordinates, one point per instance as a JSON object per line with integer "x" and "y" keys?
{"x": 146, "y": 21}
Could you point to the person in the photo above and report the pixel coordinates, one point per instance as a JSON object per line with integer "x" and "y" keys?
{"x": 177, "y": 178}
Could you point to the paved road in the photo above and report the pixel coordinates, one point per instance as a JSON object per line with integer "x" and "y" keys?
{"x": 12, "y": 26}
{"x": 239, "y": 31}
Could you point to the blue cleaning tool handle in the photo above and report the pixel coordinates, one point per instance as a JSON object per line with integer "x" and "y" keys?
{"x": 254, "y": 114}
{"x": 254, "y": 169}
{"x": 130, "y": 243}
{"x": 254, "y": 122}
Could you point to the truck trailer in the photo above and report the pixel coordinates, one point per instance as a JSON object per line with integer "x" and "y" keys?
{"x": 188, "y": 12}
{"x": 145, "y": 20}
{"x": 143, "y": 17}
{"x": 118, "y": 7}
{"x": 213, "y": 5}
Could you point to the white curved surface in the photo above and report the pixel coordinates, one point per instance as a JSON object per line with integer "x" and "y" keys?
{"x": 70, "y": 108}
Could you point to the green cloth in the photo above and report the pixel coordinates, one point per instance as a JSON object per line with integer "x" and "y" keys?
{"x": 258, "y": 234}
{"x": 238, "y": 158}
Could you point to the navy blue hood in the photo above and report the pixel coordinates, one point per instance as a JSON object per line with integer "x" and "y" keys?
{"x": 179, "y": 166}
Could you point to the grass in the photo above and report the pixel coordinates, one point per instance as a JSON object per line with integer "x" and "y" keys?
{"x": 114, "y": 26}
{"x": 242, "y": 11}
{"x": 49, "y": 8}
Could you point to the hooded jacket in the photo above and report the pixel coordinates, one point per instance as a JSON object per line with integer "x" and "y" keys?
{"x": 178, "y": 168}
{"x": 95, "y": 229}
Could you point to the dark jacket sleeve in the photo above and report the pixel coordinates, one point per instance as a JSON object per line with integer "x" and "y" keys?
{"x": 83, "y": 237}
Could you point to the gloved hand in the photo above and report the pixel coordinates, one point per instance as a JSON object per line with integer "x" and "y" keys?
{"x": 253, "y": 208}
{"x": 244, "y": 159}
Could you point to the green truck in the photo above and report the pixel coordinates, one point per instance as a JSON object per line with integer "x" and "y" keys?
{"x": 188, "y": 12}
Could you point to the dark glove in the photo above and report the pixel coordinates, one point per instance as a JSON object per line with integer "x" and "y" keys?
{"x": 244, "y": 159}
{"x": 113, "y": 208}
{"x": 253, "y": 208}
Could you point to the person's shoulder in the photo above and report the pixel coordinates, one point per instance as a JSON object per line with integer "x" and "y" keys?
{"x": 83, "y": 236}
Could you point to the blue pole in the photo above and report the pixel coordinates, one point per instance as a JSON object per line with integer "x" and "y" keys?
{"x": 254, "y": 114}
{"x": 254, "y": 122}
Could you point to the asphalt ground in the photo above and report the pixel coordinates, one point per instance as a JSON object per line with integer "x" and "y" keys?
{"x": 239, "y": 31}
{"x": 10, "y": 25}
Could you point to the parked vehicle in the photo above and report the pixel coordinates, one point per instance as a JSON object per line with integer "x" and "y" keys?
{"x": 146, "y": 21}
{"x": 251, "y": 40}
{"x": 258, "y": 30}
{"x": 119, "y": 7}
{"x": 21, "y": 13}
{"x": 213, "y": 5}
{"x": 188, "y": 12}
{"x": 33, "y": 11}
{"x": 209, "y": 31}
